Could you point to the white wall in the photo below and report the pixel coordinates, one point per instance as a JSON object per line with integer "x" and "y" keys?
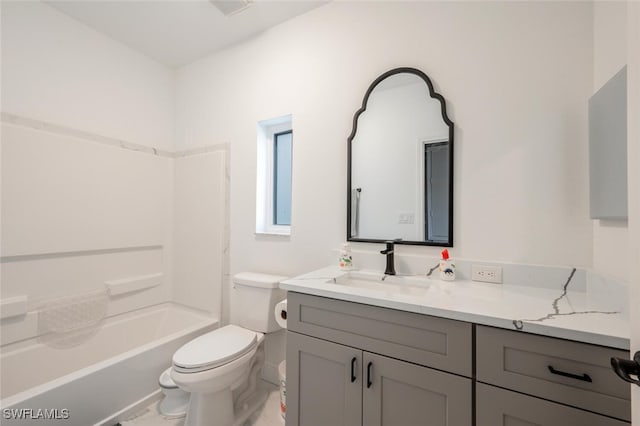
{"x": 610, "y": 238}
{"x": 57, "y": 70}
{"x": 84, "y": 198}
{"x": 516, "y": 77}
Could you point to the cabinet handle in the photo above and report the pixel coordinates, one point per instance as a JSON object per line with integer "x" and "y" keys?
{"x": 585, "y": 377}
{"x": 369, "y": 382}
{"x": 353, "y": 369}
{"x": 624, "y": 368}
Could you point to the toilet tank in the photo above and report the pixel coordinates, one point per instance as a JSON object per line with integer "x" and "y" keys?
{"x": 253, "y": 301}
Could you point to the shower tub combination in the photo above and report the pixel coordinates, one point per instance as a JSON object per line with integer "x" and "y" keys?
{"x": 98, "y": 381}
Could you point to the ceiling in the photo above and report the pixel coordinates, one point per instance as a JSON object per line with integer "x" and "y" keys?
{"x": 177, "y": 32}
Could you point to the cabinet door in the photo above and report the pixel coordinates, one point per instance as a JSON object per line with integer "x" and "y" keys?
{"x": 500, "y": 407}
{"x": 324, "y": 383}
{"x": 397, "y": 393}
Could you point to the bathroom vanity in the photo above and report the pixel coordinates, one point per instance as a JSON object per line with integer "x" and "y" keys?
{"x": 367, "y": 355}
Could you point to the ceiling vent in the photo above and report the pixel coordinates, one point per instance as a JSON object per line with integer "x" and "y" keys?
{"x": 231, "y": 7}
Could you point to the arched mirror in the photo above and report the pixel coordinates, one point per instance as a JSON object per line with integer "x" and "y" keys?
{"x": 400, "y": 163}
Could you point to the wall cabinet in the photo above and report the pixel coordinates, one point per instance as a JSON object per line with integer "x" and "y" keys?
{"x": 352, "y": 364}
{"x": 608, "y": 150}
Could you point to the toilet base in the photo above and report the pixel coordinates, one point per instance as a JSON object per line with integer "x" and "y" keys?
{"x": 256, "y": 401}
{"x": 219, "y": 406}
{"x": 174, "y": 407}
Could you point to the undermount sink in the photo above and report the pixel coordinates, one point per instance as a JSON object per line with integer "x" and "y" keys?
{"x": 400, "y": 284}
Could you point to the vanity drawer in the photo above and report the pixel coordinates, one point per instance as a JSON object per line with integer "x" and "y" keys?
{"x": 425, "y": 340}
{"x": 500, "y": 407}
{"x": 573, "y": 373}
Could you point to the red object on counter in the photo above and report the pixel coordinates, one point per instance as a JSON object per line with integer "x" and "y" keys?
{"x": 445, "y": 254}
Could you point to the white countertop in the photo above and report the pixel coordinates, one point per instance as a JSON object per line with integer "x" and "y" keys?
{"x": 584, "y": 316}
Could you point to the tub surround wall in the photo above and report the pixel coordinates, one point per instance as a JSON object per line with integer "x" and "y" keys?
{"x": 77, "y": 214}
{"x": 200, "y": 245}
{"x": 45, "y": 279}
{"x": 64, "y": 194}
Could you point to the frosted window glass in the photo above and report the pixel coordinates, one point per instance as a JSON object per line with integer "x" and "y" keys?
{"x": 282, "y": 147}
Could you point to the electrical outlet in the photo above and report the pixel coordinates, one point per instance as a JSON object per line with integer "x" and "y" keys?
{"x": 487, "y": 274}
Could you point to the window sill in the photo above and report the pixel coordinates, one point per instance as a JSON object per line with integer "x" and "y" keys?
{"x": 285, "y": 232}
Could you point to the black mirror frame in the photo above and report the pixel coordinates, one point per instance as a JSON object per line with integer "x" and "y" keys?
{"x": 433, "y": 94}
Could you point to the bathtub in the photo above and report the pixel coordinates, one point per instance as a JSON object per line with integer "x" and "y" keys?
{"x": 114, "y": 370}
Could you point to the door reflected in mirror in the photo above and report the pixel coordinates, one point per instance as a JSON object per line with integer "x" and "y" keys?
{"x": 400, "y": 169}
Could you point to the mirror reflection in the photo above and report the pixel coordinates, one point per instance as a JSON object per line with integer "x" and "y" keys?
{"x": 401, "y": 164}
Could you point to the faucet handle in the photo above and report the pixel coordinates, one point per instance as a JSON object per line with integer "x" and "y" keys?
{"x": 389, "y": 248}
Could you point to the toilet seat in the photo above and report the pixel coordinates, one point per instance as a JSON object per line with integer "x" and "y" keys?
{"x": 214, "y": 349}
{"x": 165, "y": 381}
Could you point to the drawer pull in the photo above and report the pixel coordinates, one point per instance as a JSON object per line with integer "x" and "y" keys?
{"x": 353, "y": 369}
{"x": 625, "y": 368}
{"x": 585, "y": 377}
{"x": 369, "y": 382}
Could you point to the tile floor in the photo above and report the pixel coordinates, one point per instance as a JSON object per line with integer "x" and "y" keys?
{"x": 268, "y": 415}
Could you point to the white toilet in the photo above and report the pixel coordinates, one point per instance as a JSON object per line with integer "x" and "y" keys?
{"x": 220, "y": 369}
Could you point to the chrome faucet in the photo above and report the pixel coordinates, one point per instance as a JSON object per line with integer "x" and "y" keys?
{"x": 390, "y": 269}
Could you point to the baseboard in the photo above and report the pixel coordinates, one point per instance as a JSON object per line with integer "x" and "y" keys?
{"x": 131, "y": 410}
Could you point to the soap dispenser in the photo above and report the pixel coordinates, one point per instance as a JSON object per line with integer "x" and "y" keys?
{"x": 346, "y": 260}
{"x": 447, "y": 267}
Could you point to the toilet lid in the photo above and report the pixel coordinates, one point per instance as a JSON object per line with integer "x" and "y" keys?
{"x": 215, "y": 348}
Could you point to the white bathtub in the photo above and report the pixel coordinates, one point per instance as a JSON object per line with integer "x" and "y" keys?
{"x": 91, "y": 382}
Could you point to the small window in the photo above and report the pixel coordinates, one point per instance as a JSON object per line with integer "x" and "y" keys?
{"x": 282, "y": 178}
{"x": 274, "y": 176}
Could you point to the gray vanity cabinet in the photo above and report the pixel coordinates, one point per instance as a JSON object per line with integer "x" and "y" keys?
{"x": 354, "y": 364}
{"x": 333, "y": 384}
